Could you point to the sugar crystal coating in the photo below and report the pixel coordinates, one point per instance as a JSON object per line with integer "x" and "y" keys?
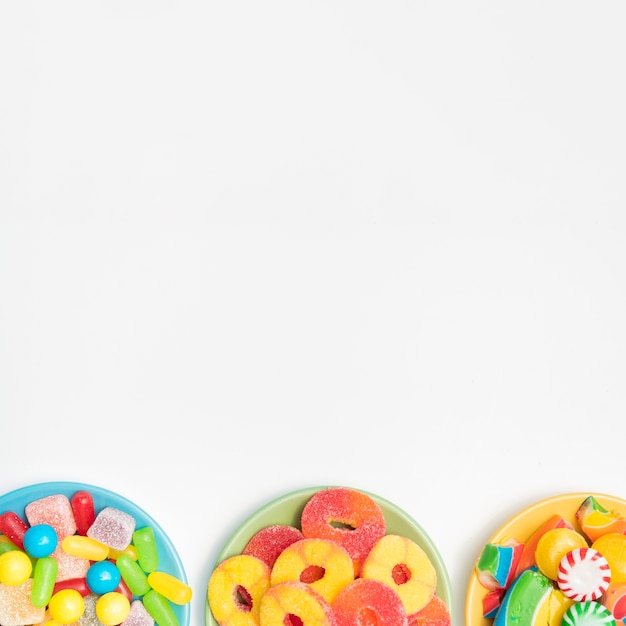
{"x": 270, "y": 541}
{"x": 16, "y": 608}
{"x": 368, "y": 601}
{"x": 89, "y": 617}
{"x": 435, "y": 613}
{"x": 138, "y": 615}
{"x": 55, "y": 510}
{"x": 284, "y": 600}
{"x": 113, "y": 528}
{"x": 70, "y": 566}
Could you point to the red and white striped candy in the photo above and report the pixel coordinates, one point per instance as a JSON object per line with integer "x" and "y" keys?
{"x": 584, "y": 574}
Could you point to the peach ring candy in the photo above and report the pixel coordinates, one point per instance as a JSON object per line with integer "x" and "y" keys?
{"x": 584, "y": 574}
{"x": 588, "y": 613}
{"x": 435, "y": 613}
{"x": 368, "y": 601}
{"x": 553, "y": 546}
{"x": 400, "y": 563}
{"x": 292, "y": 603}
{"x": 235, "y": 589}
{"x": 269, "y": 542}
{"x": 346, "y": 516}
{"x": 323, "y": 564}
{"x": 613, "y": 547}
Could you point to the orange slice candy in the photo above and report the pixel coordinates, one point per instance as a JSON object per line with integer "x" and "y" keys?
{"x": 594, "y": 520}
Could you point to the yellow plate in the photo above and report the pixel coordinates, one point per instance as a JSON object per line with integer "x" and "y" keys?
{"x": 520, "y": 527}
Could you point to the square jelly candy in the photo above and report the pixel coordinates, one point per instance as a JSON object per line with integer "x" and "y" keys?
{"x": 16, "y": 607}
{"x": 113, "y": 528}
{"x": 54, "y": 510}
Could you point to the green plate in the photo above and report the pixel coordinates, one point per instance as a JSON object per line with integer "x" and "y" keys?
{"x": 287, "y": 510}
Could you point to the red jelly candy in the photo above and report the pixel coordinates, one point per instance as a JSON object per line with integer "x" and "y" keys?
{"x": 368, "y": 601}
{"x": 84, "y": 511}
{"x": 435, "y": 613}
{"x": 14, "y": 527}
{"x": 269, "y": 542}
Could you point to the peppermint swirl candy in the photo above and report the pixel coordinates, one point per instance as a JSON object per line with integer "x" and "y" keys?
{"x": 583, "y": 574}
{"x": 589, "y": 613}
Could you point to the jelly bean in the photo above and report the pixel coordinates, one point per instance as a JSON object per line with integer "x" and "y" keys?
{"x": 85, "y": 548}
{"x": 133, "y": 575}
{"x": 147, "y": 552}
{"x": 124, "y": 590}
{"x": 44, "y": 577}
{"x": 66, "y": 606}
{"x": 79, "y": 584}
{"x": 172, "y": 588}
{"x": 14, "y": 527}
{"x": 6, "y": 544}
{"x": 84, "y": 511}
{"x": 112, "y": 608}
{"x": 160, "y": 609}
{"x": 15, "y": 567}
{"x": 129, "y": 550}
{"x": 40, "y": 540}
{"x": 103, "y": 577}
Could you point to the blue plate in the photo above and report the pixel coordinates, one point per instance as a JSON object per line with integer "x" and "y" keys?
{"x": 169, "y": 561}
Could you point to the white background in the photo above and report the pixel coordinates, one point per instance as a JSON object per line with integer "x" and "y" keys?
{"x": 248, "y": 247}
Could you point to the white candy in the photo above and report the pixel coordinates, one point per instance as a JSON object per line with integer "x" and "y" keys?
{"x": 584, "y": 574}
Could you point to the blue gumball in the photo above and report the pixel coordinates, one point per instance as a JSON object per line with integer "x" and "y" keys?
{"x": 40, "y": 540}
{"x": 102, "y": 577}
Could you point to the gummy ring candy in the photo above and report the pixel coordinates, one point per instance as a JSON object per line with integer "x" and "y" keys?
{"x": 295, "y": 603}
{"x": 235, "y": 590}
{"x": 346, "y": 516}
{"x": 404, "y": 566}
{"x": 323, "y": 564}
{"x": 368, "y": 601}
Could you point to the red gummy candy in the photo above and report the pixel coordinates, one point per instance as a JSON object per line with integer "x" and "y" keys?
{"x": 368, "y": 601}
{"x": 14, "y": 527}
{"x": 84, "y": 511}
{"x": 435, "y": 613}
{"x": 269, "y": 542}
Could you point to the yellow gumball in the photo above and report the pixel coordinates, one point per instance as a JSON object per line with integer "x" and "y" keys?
{"x": 553, "y": 546}
{"x": 15, "y": 567}
{"x": 66, "y": 606}
{"x": 112, "y": 608}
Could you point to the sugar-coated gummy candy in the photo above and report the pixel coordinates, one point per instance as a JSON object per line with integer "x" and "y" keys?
{"x": 40, "y": 540}
{"x": 402, "y": 564}
{"x": 174, "y": 589}
{"x": 269, "y": 542}
{"x": 44, "y": 578}
{"x": 16, "y": 608}
{"x": 133, "y": 575}
{"x": 89, "y": 617}
{"x": 138, "y": 615}
{"x": 325, "y": 565}
{"x": 66, "y": 606}
{"x": 144, "y": 541}
{"x": 235, "y": 589}
{"x": 346, "y": 516}
{"x": 55, "y": 510}
{"x": 368, "y": 601}
{"x": 70, "y": 566}
{"x": 112, "y": 608}
{"x": 435, "y": 613}
{"x": 588, "y": 613}
{"x": 84, "y": 511}
{"x": 14, "y": 527}
{"x": 281, "y": 602}
{"x": 103, "y": 577}
{"x": 15, "y": 567}
{"x": 113, "y": 527}
{"x": 159, "y": 608}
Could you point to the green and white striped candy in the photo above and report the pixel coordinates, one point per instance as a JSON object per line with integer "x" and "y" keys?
{"x": 589, "y": 613}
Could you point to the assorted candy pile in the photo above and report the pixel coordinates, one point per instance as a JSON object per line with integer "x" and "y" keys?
{"x": 339, "y": 568}
{"x": 63, "y": 562}
{"x": 566, "y": 573}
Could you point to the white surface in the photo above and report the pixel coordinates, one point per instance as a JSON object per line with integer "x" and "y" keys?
{"x": 251, "y": 247}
